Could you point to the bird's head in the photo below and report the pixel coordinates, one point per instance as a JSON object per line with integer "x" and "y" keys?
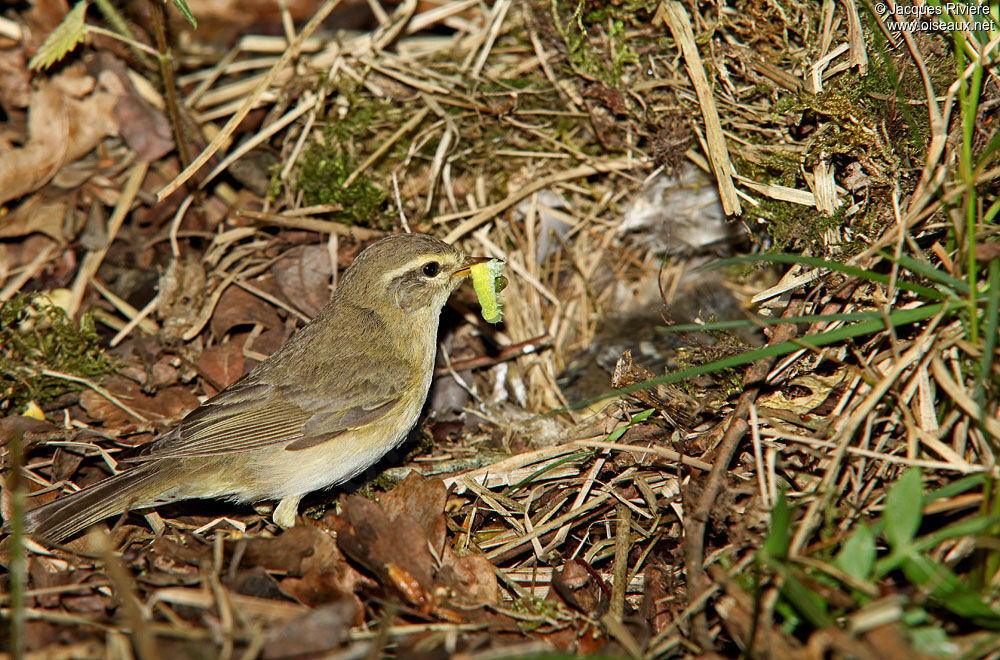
{"x": 405, "y": 273}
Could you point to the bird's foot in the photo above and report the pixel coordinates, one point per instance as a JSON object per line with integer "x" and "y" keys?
{"x": 284, "y": 514}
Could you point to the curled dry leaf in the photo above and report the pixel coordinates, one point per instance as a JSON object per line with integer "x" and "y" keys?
{"x": 471, "y": 580}
{"x": 422, "y": 499}
{"x": 239, "y": 307}
{"x": 68, "y": 117}
{"x": 169, "y": 404}
{"x": 407, "y": 585}
{"x": 303, "y": 275}
{"x": 313, "y": 633}
{"x": 402, "y": 540}
{"x": 388, "y": 547}
{"x": 577, "y": 588}
{"x": 326, "y": 576}
{"x": 144, "y": 128}
{"x": 223, "y": 363}
{"x": 37, "y": 214}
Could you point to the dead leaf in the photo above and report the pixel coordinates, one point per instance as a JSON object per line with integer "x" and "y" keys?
{"x": 223, "y": 363}
{"x": 577, "y": 588}
{"x": 36, "y": 214}
{"x": 144, "y": 128}
{"x": 471, "y": 579}
{"x": 388, "y": 547}
{"x": 423, "y": 499}
{"x": 256, "y": 582}
{"x": 659, "y": 597}
{"x": 15, "y": 86}
{"x": 182, "y": 292}
{"x": 169, "y": 404}
{"x": 326, "y": 574}
{"x": 303, "y": 275}
{"x": 239, "y": 307}
{"x": 32, "y": 430}
{"x": 407, "y": 585}
{"x": 313, "y": 633}
{"x": 68, "y": 117}
{"x": 283, "y": 553}
{"x": 987, "y": 251}
{"x": 18, "y": 253}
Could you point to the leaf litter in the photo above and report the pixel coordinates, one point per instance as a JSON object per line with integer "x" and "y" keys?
{"x": 594, "y": 150}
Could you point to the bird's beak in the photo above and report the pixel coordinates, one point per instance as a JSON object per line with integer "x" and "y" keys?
{"x": 469, "y": 263}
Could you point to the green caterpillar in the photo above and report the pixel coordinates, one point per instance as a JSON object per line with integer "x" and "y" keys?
{"x": 488, "y": 283}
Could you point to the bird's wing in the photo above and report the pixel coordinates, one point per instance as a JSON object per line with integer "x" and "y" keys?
{"x": 248, "y": 416}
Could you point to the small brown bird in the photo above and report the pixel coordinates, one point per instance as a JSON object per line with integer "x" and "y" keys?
{"x": 342, "y": 392}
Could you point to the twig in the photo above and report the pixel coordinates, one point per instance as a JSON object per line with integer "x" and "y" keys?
{"x": 97, "y": 388}
{"x": 94, "y": 258}
{"x": 677, "y": 19}
{"x": 492, "y": 210}
{"x": 694, "y": 527}
{"x": 312, "y": 224}
{"x": 248, "y": 103}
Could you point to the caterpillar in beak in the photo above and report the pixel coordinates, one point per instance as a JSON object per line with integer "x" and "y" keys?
{"x": 488, "y": 283}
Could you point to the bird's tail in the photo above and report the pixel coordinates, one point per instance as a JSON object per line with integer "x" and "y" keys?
{"x": 134, "y": 488}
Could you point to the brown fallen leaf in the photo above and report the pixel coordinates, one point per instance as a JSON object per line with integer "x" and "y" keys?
{"x": 284, "y": 553}
{"x": 15, "y": 79}
{"x": 182, "y": 292}
{"x": 422, "y": 499}
{"x": 326, "y": 574}
{"x": 312, "y": 634}
{"x": 303, "y": 275}
{"x": 238, "y": 307}
{"x": 660, "y": 602}
{"x": 144, "y": 128}
{"x": 987, "y": 251}
{"x": 407, "y": 585}
{"x": 37, "y": 214}
{"x": 471, "y": 580}
{"x": 68, "y": 117}
{"x": 576, "y": 587}
{"x": 388, "y": 547}
{"x": 223, "y": 363}
{"x": 32, "y": 430}
{"x": 402, "y": 541}
{"x": 169, "y": 404}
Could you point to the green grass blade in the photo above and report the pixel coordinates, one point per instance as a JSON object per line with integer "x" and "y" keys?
{"x": 816, "y": 262}
{"x": 989, "y": 330}
{"x": 779, "y": 537}
{"x": 949, "y": 589}
{"x": 761, "y": 320}
{"x": 548, "y": 467}
{"x": 903, "y": 509}
{"x": 896, "y": 319}
{"x": 958, "y": 286}
{"x": 857, "y": 555}
{"x": 955, "y": 488}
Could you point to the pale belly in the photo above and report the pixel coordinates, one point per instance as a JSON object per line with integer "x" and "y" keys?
{"x": 276, "y": 473}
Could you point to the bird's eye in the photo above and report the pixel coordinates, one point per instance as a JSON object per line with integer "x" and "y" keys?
{"x": 432, "y": 268}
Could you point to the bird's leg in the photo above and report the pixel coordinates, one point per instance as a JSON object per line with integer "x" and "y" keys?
{"x": 284, "y": 514}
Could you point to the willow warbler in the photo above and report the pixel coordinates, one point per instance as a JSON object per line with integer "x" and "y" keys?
{"x": 342, "y": 392}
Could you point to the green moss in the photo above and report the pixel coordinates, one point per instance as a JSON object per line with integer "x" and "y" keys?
{"x": 329, "y": 160}
{"x": 535, "y": 607}
{"x": 35, "y": 335}
{"x": 583, "y": 55}
{"x": 383, "y": 483}
{"x": 324, "y": 168}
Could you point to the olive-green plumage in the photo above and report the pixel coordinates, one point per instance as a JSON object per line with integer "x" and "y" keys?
{"x": 332, "y": 401}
